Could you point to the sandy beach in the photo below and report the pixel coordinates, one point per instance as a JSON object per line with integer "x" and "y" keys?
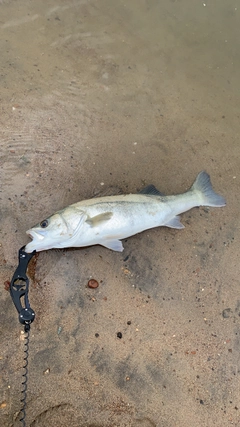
{"x": 106, "y": 97}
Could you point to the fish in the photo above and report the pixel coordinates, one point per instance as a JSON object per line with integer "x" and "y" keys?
{"x": 107, "y": 220}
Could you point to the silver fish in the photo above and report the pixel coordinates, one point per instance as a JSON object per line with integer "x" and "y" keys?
{"x": 106, "y": 220}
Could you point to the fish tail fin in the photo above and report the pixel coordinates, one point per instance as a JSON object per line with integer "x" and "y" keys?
{"x": 203, "y": 187}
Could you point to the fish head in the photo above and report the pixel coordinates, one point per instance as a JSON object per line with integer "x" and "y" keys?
{"x": 50, "y": 233}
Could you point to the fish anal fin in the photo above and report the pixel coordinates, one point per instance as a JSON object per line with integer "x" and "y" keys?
{"x": 174, "y": 223}
{"x": 151, "y": 190}
{"x": 114, "y": 245}
{"x": 99, "y": 219}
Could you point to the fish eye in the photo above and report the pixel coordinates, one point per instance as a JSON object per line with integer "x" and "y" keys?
{"x": 44, "y": 223}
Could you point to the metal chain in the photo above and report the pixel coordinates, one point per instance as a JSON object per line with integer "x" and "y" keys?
{"x": 25, "y": 375}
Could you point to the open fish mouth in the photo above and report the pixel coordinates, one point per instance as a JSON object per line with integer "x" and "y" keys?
{"x": 35, "y": 235}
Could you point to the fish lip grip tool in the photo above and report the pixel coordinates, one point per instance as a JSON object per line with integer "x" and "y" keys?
{"x": 19, "y": 288}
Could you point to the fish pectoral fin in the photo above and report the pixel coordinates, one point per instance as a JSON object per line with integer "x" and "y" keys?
{"x": 150, "y": 190}
{"x": 174, "y": 223}
{"x": 99, "y": 219}
{"x": 114, "y": 245}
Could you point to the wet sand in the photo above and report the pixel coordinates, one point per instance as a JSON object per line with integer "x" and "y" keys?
{"x": 106, "y": 97}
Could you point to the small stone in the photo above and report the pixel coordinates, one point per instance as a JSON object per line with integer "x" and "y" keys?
{"x": 119, "y": 335}
{"x": 226, "y": 313}
{"x": 93, "y": 284}
{"x": 96, "y": 335}
{"x": 7, "y": 285}
{"x": 3, "y": 405}
{"x": 129, "y": 322}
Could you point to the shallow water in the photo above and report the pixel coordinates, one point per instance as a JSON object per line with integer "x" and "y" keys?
{"x": 108, "y": 96}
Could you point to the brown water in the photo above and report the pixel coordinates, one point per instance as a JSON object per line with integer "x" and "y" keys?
{"x": 100, "y": 96}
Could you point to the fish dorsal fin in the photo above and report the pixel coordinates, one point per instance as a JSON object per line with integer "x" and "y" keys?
{"x": 99, "y": 219}
{"x": 151, "y": 190}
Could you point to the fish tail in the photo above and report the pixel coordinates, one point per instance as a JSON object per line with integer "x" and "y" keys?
{"x": 203, "y": 187}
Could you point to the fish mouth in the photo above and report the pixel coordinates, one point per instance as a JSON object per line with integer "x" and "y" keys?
{"x": 34, "y": 235}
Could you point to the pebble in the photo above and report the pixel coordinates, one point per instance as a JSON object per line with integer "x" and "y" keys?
{"x": 226, "y": 313}
{"x": 119, "y": 335}
{"x": 7, "y": 285}
{"x": 93, "y": 284}
{"x": 3, "y": 405}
